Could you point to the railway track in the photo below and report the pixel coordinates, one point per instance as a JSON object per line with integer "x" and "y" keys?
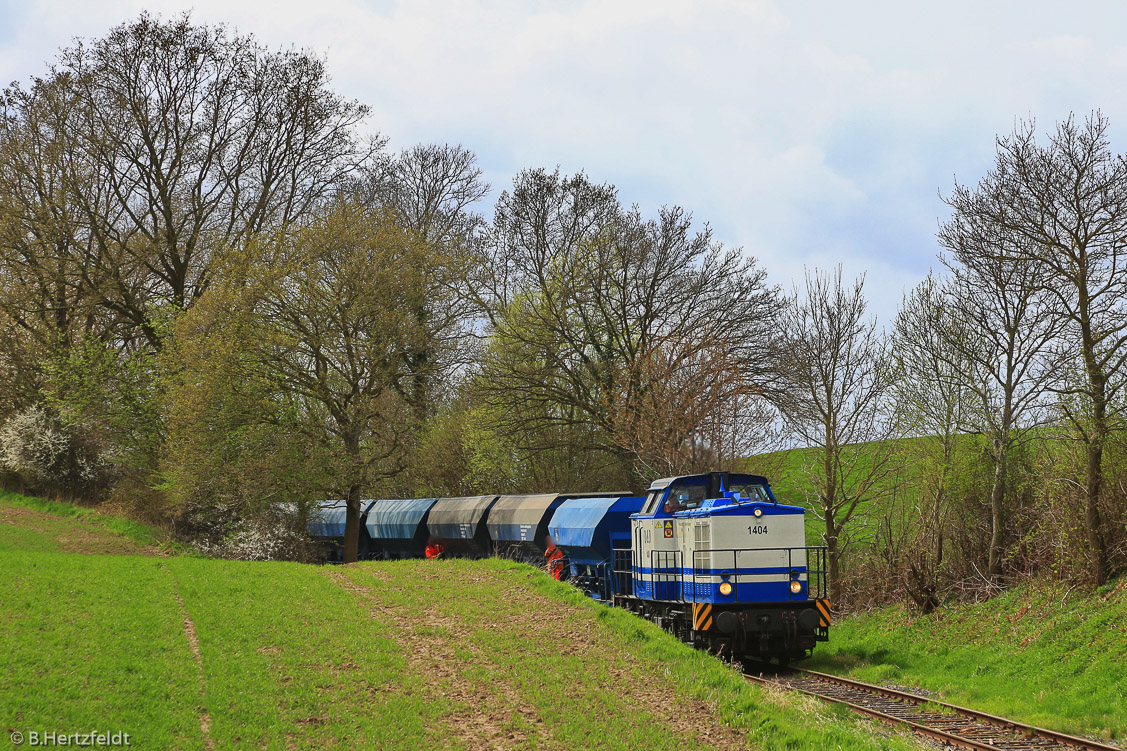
{"x": 949, "y": 724}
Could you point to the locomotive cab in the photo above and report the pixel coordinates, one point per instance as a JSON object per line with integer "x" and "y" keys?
{"x": 717, "y": 558}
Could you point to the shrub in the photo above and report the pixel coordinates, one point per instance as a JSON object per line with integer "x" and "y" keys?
{"x": 50, "y": 456}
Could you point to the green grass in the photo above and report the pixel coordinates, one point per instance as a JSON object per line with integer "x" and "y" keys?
{"x": 95, "y": 643}
{"x": 913, "y": 460}
{"x": 470, "y": 654}
{"x": 1038, "y": 654}
{"x": 770, "y": 719}
{"x": 51, "y": 518}
{"x": 589, "y": 675}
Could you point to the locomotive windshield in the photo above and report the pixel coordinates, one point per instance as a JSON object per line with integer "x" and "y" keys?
{"x": 687, "y": 493}
{"x": 751, "y": 492}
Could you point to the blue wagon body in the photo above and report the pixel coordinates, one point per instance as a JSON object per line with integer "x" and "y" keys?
{"x": 326, "y": 523}
{"x": 585, "y": 529}
{"x": 398, "y": 526}
{"x": 588, "y": 531}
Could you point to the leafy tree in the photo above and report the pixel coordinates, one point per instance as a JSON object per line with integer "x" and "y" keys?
{"x": 234, "y": 449}
{"x": 124, "y": 170}
{"x": 324, "y": 318}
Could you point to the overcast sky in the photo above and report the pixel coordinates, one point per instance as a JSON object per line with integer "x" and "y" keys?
{"x": 809, "y": 133}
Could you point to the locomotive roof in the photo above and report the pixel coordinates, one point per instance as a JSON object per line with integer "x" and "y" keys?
{"x": 665, "y": 482}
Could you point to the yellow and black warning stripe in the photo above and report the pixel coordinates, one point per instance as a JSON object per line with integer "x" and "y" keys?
{"x": 824, "y": 609}
{"x": 702, "y": 616}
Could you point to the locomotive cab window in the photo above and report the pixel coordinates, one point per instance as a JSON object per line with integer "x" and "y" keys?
{"x": 751, "y": 492}
{"x": 651, "y": 502}
{"x": 685, "y": 496}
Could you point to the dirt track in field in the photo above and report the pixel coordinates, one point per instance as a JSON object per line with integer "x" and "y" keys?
{"x": 70, "y": 534}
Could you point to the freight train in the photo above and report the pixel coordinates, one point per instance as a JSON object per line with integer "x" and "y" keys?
{"x": 713, "y": 558}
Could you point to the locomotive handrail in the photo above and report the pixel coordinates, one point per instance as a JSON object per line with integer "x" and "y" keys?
{"x": 667, "y": 571}
{"x": 666, "y": 567}
{"x": 818, "y": 571}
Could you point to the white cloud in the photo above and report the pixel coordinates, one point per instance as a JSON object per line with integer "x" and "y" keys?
{"x": 809, "y": 133}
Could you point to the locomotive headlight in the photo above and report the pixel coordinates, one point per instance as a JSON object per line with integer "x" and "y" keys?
{"x": 725, "y": 588}
{"x": 758, "y": 512}
{"x": 796, "y": 586}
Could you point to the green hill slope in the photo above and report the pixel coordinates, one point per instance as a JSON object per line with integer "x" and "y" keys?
{"x": 34, "y": 524}
{"x": 192, "y": 653}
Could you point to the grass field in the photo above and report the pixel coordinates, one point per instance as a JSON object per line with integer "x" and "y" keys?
{"x": 790, "y": 471}
{"x": 1042, "y": 654}
{"x": 190, "y": 653}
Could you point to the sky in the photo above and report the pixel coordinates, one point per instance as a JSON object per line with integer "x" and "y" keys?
{"x": 808, "y": 133}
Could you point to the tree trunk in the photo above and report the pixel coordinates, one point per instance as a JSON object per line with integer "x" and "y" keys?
{"x": 352, "y": 525}
{"x": 997, "y": 519}
{"x": 832, "y": 557}
{"x": 1096, "y": 544}
{"x": 351, "y": 442}
{"x": 1097, "y": 381}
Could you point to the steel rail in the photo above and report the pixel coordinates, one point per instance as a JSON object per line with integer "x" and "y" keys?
{"x": 985, "y": 726}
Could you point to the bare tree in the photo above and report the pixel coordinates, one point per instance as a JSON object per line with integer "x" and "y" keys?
{"x": 836, "y": 369}
{"x": 1005, "y": 342}
{"x": 179, "y": 138}
{"x": 1064, "y": 204}
{"x": 48, "y": 289}
{"x": 433, "y": 190}
{"x": 592, "y": 308}
{"x": 701, "y": 411}
{"x": 929, "y": 386}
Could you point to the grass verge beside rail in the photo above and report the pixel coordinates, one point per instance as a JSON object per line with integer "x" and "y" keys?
{"x": 1043, "y": 655}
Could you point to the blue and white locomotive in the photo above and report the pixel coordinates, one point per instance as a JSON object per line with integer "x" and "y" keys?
{"x": 714, "y": 558}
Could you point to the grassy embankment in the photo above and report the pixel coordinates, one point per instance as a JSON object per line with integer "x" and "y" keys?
{"x": 787, "y": 471}
{"x": 190, "y": 653}
{"x": 1044, "y": 655}
{"x": 36, "y": 524}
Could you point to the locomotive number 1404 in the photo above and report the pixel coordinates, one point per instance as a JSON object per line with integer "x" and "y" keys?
{"x": 757, "y": 529}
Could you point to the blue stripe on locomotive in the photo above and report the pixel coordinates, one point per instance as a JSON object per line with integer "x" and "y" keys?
{"x": 646, "y": 587}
